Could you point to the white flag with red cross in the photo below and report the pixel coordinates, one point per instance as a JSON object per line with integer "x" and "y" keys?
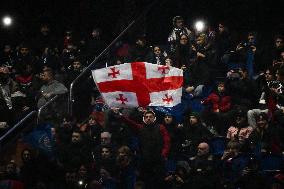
{"x": 139, "y": 84}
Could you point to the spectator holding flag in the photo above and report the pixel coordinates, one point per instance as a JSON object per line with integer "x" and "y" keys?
{"x": 155, "y": 146}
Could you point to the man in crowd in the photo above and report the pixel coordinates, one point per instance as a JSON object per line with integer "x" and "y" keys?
{"x": 155, "y": 146}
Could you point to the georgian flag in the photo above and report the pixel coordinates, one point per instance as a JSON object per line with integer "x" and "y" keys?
{"x": 139, "y": 84}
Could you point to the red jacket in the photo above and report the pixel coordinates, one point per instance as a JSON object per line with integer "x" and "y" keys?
{"x": 165, "y": 135}
{"x": 223, "y": 103}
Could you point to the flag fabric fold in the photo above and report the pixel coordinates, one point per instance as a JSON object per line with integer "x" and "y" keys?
{"x": 139, "y": 84}
{"x": 41, "y": 139}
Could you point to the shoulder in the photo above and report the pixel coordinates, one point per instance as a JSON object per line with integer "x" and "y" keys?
{"x": 161, "y": 127}
{"x": 232, "y": 128}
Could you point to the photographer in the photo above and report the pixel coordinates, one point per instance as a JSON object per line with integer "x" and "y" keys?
{"x": 249, "y": 53}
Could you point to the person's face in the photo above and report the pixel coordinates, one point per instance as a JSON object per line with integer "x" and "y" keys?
{"x": 44, "y": 30}
{"x": 221, "y": 28}
{"x": 282, "y": 55}
{"x": 179, "y": 23}
{"x": 168, "y": 119}
{"x": 7, "y": 49}
{"x": 202, "y": 149}
{"x": 169, "y": 62}
{"x": 221, "y": 88}
{"x": 140, "y": 42}
{"x": 44, "y": 76}
{"x": 240, "y": 120}
{"x": 279, "y": 43}
{"x": 68, "y": 35}
{"x": 24, "y": 51}
{"x": 118, "y": 62}
{"x": 105, "y": 153}
{"x": 268, "y": 75}
{"x": 82, "y": 170}
{"x": 121, "y": 153}
{"x": 76, "y": 137}
{"x": 193, "y": 120}
{"x": 92, "y": 121}
{"x": 76, "y": 65}
{"x": 199, "y": 41}
{"x": 233, "y": 150}
{"x": 244, "y": 74}
{"x": 104, "y": 174}
{"x": 53, "y": 131}
{"x": 95, "y": 33}
{"x": 26, "y": 156}
{"x": 183, "y": 40}
{"x": 4, "y": 70}
{"x": 261, "y": 122}
{"x": 149, "y": 118}
{"x": 157, "y": 51}
{"x": 278, "y": 76}
{"x": 251, "y": 39}
{"x": 10, "y": 168}
{"x": 105, "y": 138}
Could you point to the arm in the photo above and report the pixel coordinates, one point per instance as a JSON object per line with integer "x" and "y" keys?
{"x": 227, "y": 104}
{"x": 135, "y": 126}
{"x": 166, "y": 140}
{"x": 207, "y": 100}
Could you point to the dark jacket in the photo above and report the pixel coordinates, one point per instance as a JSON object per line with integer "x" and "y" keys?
{"x": 154, "y": 139}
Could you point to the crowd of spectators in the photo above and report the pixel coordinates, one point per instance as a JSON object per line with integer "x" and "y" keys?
{"x": 231, "y": 133}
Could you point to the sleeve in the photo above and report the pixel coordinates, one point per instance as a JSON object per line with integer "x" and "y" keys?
{"x": 249, "y": 131}
{"x": 227, "y": 104}
{"x": 207, "y": 100}
{"x": 59, "y": 89}
{"x": 135, "y": 126}
{"x": 166, "y": 140}
{"x": 229, "y": 133}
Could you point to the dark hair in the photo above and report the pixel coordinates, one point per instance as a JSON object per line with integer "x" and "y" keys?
{"x": 263, "y": 115}
{"x": 149, "y": 112}
{"x": 280, "y": 72}
{"x": 49, "y": 71}
{"x": 278, "y": 37}
{"x": 176, "y": 18}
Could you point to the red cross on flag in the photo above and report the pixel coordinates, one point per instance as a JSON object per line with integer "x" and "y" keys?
{"x": 139, "y": 84}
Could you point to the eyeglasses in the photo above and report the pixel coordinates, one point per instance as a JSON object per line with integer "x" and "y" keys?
{"x": 279, "y": 42}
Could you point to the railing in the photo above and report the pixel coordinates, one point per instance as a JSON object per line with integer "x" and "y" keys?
{"x": 44, "y": 106}
{"x": 70, "y": 95}
{"x": 71, "y": 92}
{"x": 15, "y": 127}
